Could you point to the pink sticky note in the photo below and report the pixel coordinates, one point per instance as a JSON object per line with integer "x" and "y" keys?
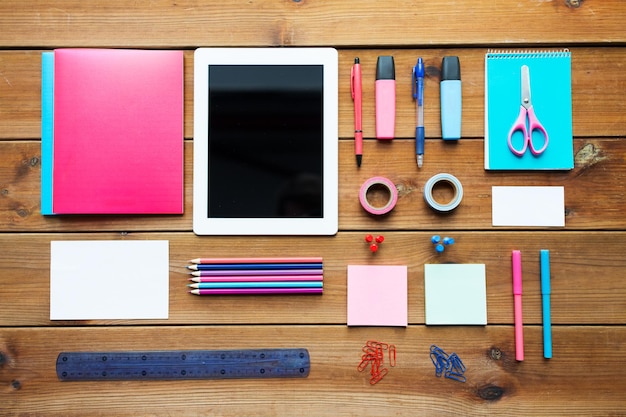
{"x": 377, "y": 295}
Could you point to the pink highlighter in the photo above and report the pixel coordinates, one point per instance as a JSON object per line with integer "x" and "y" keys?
{"x": 385, "y": 98}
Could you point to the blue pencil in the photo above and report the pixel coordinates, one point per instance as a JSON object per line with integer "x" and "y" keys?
{"x": 545, "y": 299}
{"x": 267, "y": 284}
{"x": 206, "y": 267}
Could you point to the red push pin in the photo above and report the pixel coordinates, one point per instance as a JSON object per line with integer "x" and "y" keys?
{"x": 374, "y": 242}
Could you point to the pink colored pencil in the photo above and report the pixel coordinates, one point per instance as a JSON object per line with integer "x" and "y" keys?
{"x": 256, "y": 291}
{"x": 255, "y": 260}
{"x": 257, "y": 272}
{"x": 257, "y": 278}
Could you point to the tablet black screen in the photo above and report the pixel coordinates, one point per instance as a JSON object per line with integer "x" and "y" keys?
{"x": 265, "y": 144}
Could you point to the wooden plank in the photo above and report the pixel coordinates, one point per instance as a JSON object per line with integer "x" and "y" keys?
{"x": 20, "y": 94}
{"x": 587, "y": 275}
{"x": 594, "y": 70}
{"x": 496, "y": 383}
{"x": 593, "y": 199}
{"x": 303, "y": 22}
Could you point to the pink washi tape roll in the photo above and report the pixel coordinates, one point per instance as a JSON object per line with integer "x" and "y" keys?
{"x": 381, "y": 182}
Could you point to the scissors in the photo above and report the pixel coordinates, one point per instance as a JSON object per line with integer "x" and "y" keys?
{"x": 527, "y": 115}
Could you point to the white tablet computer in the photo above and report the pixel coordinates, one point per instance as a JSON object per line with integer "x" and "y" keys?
{"x": 265, "y": 141}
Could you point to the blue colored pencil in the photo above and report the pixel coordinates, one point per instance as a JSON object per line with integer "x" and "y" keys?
{"x": 267, "y": 284}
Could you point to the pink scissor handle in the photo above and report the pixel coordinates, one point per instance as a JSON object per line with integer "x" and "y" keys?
{"x": 519, "y": 124}
{"x": 533, "y": 124}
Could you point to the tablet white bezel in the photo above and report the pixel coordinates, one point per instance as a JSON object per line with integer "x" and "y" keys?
{"x": 328, "y": 224}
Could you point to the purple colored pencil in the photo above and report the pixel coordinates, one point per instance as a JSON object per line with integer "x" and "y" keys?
{"x": 274, "y": 272}
{"x": 256, "y": 291}
{"x": 257, "y": 278}
{"x": 266, "y": 266}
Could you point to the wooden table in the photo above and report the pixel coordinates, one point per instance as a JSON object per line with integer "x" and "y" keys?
{"x": 587, "y": 374}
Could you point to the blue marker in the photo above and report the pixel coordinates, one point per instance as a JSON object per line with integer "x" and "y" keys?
{"x": 418, "y": 96}
{"x": 451, "y": 98}
{"x": 545, "y": 298}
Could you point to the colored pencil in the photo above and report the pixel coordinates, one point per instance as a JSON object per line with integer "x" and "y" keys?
{"x": 257, "y": 278}
{"x": 272, "y": 272}
{"x": 198, "y": 267}
{"x": 283, "y": 284}
{"x": 255, "y": 260}
{"x": 256, "y": 291}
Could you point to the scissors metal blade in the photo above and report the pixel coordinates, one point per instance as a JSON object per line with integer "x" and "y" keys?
{"x": 526, "y": 102}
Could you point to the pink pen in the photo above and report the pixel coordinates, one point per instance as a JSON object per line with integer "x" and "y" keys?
{"x": 517, "y": 296}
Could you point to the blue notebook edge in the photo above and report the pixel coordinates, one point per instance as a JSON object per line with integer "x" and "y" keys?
{"x": 486, "y": 113}
{"x": 544, "y": 65}
{"x": 47, "y": 131}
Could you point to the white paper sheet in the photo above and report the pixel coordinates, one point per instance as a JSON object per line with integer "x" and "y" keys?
{"x": 528, "y": 206}
{"x": 101, "y": 280}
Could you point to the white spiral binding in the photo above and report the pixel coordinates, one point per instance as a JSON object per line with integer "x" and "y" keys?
{"x": 527, "y": 53}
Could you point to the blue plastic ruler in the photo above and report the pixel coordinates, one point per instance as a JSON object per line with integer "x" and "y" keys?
{"x": 183, "y": 364}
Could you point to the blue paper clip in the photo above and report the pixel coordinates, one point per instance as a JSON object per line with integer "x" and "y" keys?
{"x": 450, "y": 366}
{"x": 456, "y": 368}
{"x": 439, "y": 358}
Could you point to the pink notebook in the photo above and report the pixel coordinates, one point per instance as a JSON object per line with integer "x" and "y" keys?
{"x": 118, "y": 131}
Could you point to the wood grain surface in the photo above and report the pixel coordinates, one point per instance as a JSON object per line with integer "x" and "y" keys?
{"x": 586, "y": 375}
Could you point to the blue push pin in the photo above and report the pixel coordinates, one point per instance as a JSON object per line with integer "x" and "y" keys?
{"x": 439, "y": 244}
{"x": 448, "y": 241}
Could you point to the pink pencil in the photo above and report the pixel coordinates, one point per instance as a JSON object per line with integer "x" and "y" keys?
{"x": 257, "y": 278}
{"x": 256, "y": 291}
{"x": 255, "y": 260}
{"x": 517, "y": 296}
{"x": 257, "y": 272}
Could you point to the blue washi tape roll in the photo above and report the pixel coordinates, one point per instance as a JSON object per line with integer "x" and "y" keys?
{"x": 456, "y": 186}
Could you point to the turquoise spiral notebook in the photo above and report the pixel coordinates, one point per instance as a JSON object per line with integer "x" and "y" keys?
{"x": 551, "y": 92}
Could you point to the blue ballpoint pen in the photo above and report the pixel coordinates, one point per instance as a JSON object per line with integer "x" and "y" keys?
{"x": 418, "y": 96}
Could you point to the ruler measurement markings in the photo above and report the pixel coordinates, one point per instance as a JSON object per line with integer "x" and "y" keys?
{"x": 264, "y": 363}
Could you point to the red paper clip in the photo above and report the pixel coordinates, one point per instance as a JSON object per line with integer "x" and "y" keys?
{"x": 363, "y": 365}
{"x": 378, "y": 376}
{"x": 374, "y": 357}
{"x": 392, "y": 355}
